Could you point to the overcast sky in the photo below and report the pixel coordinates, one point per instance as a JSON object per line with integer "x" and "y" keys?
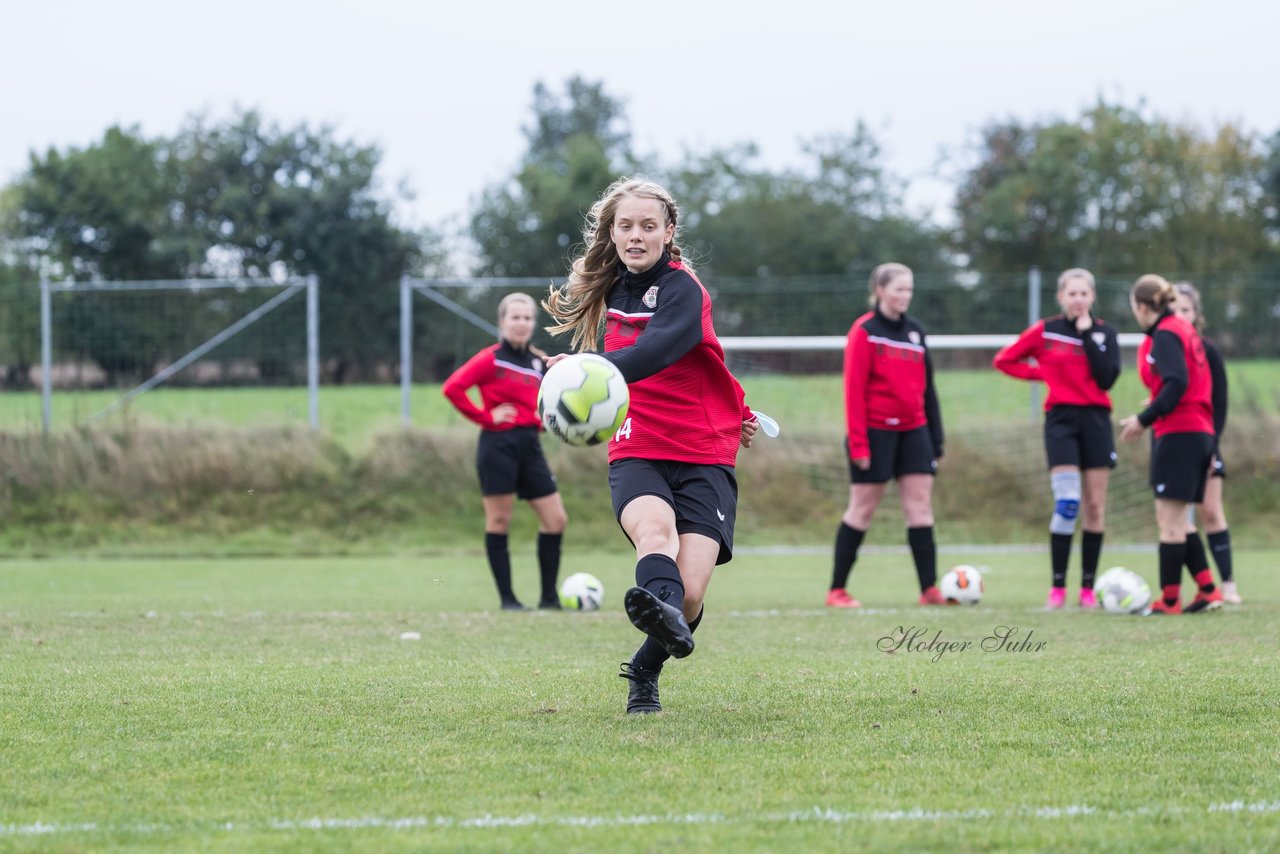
{"x": 444, "y": 87}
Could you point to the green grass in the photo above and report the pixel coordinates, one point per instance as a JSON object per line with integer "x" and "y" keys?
{"x": 356, "y": 415}
{"x": 270, "y": 705}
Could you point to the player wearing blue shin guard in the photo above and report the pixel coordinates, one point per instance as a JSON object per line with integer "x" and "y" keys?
{"x": 1077, "y": 356}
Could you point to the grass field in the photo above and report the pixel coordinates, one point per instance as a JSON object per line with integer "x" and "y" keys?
{"x": 356, "y": 415}
{"x": 271, "y": 705}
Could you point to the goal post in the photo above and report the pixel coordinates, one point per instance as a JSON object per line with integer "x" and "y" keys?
{"x": 154, "y": 290}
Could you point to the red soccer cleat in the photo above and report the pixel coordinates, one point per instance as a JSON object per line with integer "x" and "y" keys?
{"x": 1159, "y": 607}
{"x": 840, "y": 598}
{"x": 1205, "y": 602}
{"x": 932, "y": 596}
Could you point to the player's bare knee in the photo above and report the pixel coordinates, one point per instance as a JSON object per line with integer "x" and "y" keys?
{"x": 655, "y": 537}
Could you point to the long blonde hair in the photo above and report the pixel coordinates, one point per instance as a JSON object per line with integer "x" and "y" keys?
{"x": 578, "y": 306}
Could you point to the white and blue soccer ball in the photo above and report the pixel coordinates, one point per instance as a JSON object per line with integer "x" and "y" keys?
{"x": 581, "y": 591}
{"x": 962, "y": 585}
{"x": 583, "y": 399}
{"x": 1122, "y": 591}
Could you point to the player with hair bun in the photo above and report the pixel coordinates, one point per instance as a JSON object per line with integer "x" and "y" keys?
{"x": 1077, "y": 356}
{"x": 1172, "y": 363}
{"x": 894, "y": 429}
{"x": 509, "y": 456}
{"x": 1187, "y": 306}
{"x": 671, "y": 464}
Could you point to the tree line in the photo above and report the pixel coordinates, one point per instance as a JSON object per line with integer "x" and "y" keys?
{"x": 1115, "y": 189}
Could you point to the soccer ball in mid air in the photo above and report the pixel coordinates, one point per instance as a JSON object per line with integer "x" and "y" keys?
{"x": 581, "y": 591}
{"x": 962, "y": 585}
{"x": 583, "y": 399}
{"x": 1122, "y": 591}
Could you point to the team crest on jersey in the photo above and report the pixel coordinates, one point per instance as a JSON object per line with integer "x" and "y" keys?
{"x": 1098, "y": 338}
{"x": 650, "y": 298}
{"x": 913, "y": 336}
{"x": 537, "y": 365}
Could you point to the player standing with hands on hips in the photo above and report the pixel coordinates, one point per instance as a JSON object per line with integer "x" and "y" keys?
{"x": 894, "y": 431}
{"x": 1173, "y": 366}
{"x": 509, "y": 456}
{"x": 1077, "y": 356}
{"x": 671, "y": 464}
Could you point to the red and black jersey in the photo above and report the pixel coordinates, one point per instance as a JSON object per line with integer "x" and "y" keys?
{"x": 888, "y": 381}
{"x": 1078, "y": 368}
{"x": 685, "y": 404}
{"x": 1173, "y": 366}
{"x": 503, "y": 374}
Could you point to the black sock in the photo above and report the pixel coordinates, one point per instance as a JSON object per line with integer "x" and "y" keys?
{"x": 495, "y": 546}
{"x": 848, "y": 540}
{"x": 1090, "y": 554}
{"x": 549, "y": 565}
{"x": 925, "y": 555}
{"x": 1059, "y": 557}
{"x": 1220, "y": 547}
{"x": 1195, "y": 558}
{"x": 1172, "y": 556}
{"x": 651, "y": 655}
{"x": 660, "y": 576}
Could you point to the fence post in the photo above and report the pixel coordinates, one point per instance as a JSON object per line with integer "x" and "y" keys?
{"x": 1033, "y": 314}
{"x": 406, "y": 349}
{"x": 313, "y": 351}
{"x": 46, "y": 356}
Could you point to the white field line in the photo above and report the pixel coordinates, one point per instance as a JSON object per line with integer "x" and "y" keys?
{"x": 818, "y": 815}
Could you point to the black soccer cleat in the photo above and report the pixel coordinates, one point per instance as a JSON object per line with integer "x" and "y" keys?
{"x": 660, "y": 621}
{"x": 513, "y": 605}
{"x": 642, "y": 693}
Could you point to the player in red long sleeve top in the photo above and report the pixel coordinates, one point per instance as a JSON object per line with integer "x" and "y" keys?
{"x": 1078, "y": 357}
{"x": 671, "y": 464}
{"x": 509, "y": 455}
{"x": 1187, "y": 306}
{"x": 1173, "y": 366}
{"x": 894, "y": 431}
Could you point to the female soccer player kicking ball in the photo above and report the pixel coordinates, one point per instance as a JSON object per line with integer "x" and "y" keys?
{"x": 671, "y": 464}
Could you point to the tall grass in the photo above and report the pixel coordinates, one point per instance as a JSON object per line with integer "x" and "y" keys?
{"x": 211, "y": 480}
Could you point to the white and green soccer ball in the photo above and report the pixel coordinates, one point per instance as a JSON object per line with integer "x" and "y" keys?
{"x": 583, "y": 399}
{"x": 1122, "y": 591}
{"x": 581, "y": 591}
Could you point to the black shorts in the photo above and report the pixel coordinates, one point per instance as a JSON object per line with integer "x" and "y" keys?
{"x": 1079, "y": 436}
{"x": 893, "y": 454}
{"x": 704, "y": 497}
{"x": 511, "y": 461}
{"x": 1180, "y": 466}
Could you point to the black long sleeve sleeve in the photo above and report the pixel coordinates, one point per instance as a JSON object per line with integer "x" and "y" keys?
{"x": 674, "y": 329}
{"x": 1104, "y": 358}
{"x": 932, "y": 410}
{"x": 1218, "y": 371}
